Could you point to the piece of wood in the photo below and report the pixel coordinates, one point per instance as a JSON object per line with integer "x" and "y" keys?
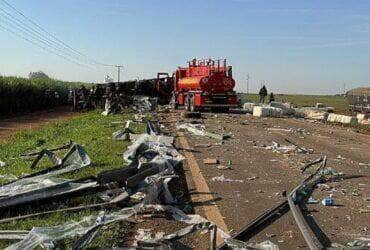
{"x": 210, "y": 161}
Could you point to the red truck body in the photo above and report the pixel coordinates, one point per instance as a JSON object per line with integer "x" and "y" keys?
{"x": 205, "y": 84}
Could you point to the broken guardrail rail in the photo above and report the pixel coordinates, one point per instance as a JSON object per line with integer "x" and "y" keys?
{"x": 293, "y": 202}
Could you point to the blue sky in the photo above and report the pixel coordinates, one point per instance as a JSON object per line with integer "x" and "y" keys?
{"x": 294, "y": 46}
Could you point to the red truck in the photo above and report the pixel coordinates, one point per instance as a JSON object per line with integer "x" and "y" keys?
{"x": 205, "y": 84}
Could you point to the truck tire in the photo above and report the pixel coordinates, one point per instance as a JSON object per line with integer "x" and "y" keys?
{"x": 187, "y": 103}
{"x": 192, "y": 103}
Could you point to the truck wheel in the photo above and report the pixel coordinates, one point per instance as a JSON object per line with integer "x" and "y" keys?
{"x": 187, "y": 103}
{"x": 192, "y": 104}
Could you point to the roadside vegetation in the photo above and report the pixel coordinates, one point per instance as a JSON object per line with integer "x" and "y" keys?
{"x": 22, "y": 95}
{"x": 94, "y": 132}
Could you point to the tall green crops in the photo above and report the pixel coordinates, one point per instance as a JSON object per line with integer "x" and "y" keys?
{"x": 21, "y": 95}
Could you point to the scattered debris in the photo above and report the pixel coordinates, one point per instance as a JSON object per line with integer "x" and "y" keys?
{"x": 276, "y": 147}
{"x": 144, "y": 103}
{"x": 223, "y": 179}
{"x": 328, "y": 201}
{"x": 221, "y": 167}
{"x": 280, "y": 129}
{"x": 210, "y": 161}
{"x": 198, "y": 129}
{"x": 312, "y": 201}
{"x": 2, "y": 164}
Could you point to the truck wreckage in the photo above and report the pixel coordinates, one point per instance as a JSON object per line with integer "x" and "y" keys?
{"x": 152, "y": 160}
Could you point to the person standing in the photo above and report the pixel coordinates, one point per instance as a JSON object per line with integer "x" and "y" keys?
{"x": 263, "y": 94}
{"x": 272, "y": 97}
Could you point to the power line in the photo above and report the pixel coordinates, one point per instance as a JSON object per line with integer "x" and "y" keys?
{"x": 31, "y": 36}
{"x": 22, "y": 33}
{"x": 34, "y": 33}
{"x": 50, "y": 35}
{"x": 42, "y": 47}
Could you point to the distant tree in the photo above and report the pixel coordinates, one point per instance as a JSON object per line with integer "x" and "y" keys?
{"x": 37, "y": 75}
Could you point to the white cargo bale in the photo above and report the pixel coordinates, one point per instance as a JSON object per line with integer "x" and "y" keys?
{"x": 248, "y": 106}
{"x": 320, "y": 105}
{"x": 361, "y": 117}
{"x": 314, "y": 114}
{"x": 259, "y": 111}
{"x": 287, "y": 107}
{"x": 365, "y": 122}
{"x": 344, "y": 119}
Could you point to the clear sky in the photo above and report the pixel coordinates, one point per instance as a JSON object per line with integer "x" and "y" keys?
{"x": 294, "y": 46}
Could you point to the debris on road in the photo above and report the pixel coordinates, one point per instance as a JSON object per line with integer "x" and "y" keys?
{"x": 328, "y": 201}
{"x": 223, "y": 179}
{"x": 210, "y": 161}
{"x": 198, "y": 129}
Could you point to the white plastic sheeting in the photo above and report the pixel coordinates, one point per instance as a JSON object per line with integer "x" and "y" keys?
{"x": 144, "y": 103}
{"x": 74, "y": 160}
{"x": 198, "y": 129}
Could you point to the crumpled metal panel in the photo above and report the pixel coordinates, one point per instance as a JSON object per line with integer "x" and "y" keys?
{"x": 74, "y": 160}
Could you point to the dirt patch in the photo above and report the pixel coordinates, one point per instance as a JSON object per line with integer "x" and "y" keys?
{"x": 8, "y": 126}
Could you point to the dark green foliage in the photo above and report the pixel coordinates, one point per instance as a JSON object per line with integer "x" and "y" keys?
{"x": 21, "y": 95}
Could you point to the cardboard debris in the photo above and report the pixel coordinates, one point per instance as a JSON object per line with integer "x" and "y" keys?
{"x": 210, "y": 161}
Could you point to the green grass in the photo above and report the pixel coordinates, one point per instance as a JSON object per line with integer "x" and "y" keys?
{"x": 91, "y": 130}
{"x": 339, "y": 103}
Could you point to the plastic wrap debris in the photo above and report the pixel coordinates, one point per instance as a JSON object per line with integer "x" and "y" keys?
{"x": 144, "y": 103}
{"x": 13, "y": 234}
{"x": 276, "y": 147}
{"x": 48, "y": 236}
{"x": 144, "y": 236}
{"x": 2, "y": 164}
{"x": 33, "y": 186}
{"x": 313, "y": 113}
{"x": 280, "y": 129}
{"x": 240, "y": 245}
{"x": 8, "y": 177}
{"x": 285, "y": 106}
{"x": 54, "y": 159}
{"x": 223, "y": 179}
{"x": 198, "y": 129}
{"x": 123, "y": 134}
{"x": 360, "y": 242}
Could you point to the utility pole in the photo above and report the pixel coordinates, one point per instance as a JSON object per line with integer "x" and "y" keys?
{"x": 248, "y": 77}
{"x": 119, "y": 72}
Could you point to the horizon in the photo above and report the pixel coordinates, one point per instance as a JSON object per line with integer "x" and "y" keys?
{"x": 292, "y": 47}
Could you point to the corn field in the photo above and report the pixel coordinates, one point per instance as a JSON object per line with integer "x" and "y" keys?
{"x": 21, "y": 95}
